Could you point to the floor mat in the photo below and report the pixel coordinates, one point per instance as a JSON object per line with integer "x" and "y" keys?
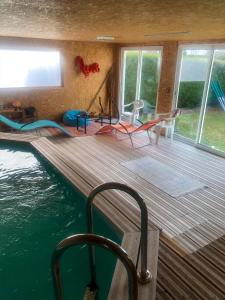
{"x": 163, "y": 177}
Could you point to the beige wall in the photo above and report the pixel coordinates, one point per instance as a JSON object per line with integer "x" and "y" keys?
{"x": 77, "y": 91}
{"x": 168, "y": 71}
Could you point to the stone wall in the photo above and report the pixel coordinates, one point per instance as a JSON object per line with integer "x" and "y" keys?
{"x": 77, "y": 91}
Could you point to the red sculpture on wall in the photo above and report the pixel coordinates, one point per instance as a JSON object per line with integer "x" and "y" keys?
{"x": 86, "y": 69}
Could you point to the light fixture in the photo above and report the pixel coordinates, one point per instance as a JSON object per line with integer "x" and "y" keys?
{"x": 167, "y": 33}
{"x": 105, "y": 38}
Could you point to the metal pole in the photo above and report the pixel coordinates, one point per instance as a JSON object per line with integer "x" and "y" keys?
{"x": 92, "y": 239}
{"x": 144, "y": 276}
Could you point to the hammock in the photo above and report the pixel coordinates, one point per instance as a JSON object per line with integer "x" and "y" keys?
{"x": 219, "y": 93}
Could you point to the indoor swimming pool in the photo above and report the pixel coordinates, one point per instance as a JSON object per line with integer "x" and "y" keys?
{"x": 39, "y": 208}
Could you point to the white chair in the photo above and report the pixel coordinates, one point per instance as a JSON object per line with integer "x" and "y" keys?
{"x": 137, "y": 106}
{"x": 167, "y": 123}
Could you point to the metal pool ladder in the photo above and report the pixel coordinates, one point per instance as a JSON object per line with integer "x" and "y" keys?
{"x": 144, "y": 276}
{"x": 92, "y": 239}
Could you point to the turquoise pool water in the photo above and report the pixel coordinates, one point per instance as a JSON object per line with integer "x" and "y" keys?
{"x": 39, "y": 208}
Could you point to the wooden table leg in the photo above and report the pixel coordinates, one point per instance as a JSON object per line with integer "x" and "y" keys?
{"x": 85, "y": 124}
{"x": 77, "y": 122}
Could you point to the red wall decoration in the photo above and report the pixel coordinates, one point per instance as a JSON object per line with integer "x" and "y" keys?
{"x": 86, "y": 69}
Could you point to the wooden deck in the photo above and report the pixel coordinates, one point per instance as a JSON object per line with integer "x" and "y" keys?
{"x": 192, "y": 243}
{"x": 100, "y": 157}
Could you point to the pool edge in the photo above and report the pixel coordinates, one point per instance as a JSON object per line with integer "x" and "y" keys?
{"x": 127, "y": 223}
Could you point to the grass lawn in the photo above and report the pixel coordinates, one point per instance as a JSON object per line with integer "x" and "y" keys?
{"x": 213, "y": 131}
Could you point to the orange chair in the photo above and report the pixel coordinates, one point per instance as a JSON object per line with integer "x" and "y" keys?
{"x": 129, "y": 129}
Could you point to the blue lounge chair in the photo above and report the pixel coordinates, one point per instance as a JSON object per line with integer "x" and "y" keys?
{"x": 32, "y": 126}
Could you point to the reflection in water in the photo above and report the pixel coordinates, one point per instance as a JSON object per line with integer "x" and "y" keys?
{"x": 39, "y": 208}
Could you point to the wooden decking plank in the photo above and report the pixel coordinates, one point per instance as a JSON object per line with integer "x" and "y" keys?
{"x": 17, "y": 137}
{"x": 189, "y": 159}
{"x": 207, "y": 270}
{"x": 189, "y": 274}
{"x": 214, "y": 256}
{"x": 104, "y": 171}
{"x": 172, "y": 217}
{"x": 142, "y": 188}
{"x": 209, "y": 230}
{"x": 162, "y": 294}
{"x": 187, "y": 244}
{"x": 219, "y": 245}
{"x": 175, "y": 156}
{"x": 199, "y": 236}
{"x": 194, "y": 173}
{"x": 193, "y": 204}
{"x": 197, "y": 156}
{"x": 175, "y": 287}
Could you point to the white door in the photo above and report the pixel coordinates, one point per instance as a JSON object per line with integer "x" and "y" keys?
{"x": 200, "y": 93}
{"x": 140, "y": 73}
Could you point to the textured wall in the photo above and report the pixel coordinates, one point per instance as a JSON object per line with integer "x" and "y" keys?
{"x": 129, "y": 21}
{"x": 77, "y": 91}
{"x": 168, "y": 71}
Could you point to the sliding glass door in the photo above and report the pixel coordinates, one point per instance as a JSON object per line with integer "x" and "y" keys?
{"x": 213, "y": 125}
{"x": 140, "y": 78}
{"x": 193, "y": 75}
{"x": 199, "y": 93}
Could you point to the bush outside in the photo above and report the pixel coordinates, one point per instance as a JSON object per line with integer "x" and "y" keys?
{"x": 190, "y": 92}
{"x": 149, "y": 78}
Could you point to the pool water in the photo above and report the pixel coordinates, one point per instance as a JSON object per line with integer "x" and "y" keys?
{"x": 39, "y": 208}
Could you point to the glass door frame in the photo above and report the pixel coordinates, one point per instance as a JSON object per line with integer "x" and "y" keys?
{"x": 139, "y": 69}
{"x": 211, "y": 48}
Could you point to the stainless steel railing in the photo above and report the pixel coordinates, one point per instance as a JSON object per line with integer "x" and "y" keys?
{"x": 92, "y": 239}
{"x": 144, "y": 276}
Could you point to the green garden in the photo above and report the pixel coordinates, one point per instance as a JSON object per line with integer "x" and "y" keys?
{"x": 149, "y": 78}
{"x": 213, "y": 133}
{"x": 190, "y": 99}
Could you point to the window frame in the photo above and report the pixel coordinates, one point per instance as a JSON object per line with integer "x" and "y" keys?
{"x": 211, "y": 47}
{"x": 139, "y": 69}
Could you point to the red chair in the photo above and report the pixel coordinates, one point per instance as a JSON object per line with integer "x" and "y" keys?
{"x": 129, "y": 129}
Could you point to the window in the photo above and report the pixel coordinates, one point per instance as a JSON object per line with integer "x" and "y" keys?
{"x": 200, "y": 93}
{"x": 140, "y": 78}
{"x": 29, "y": 68}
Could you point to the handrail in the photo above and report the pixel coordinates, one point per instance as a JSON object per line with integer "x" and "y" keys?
{"x": 144, "y": 276}
{"x": 92, "y": 239}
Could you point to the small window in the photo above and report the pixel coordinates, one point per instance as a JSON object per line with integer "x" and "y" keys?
{"x": 28, "y": 68}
